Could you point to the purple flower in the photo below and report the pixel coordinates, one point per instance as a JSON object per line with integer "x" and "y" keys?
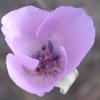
{"x": 47, "y": 46}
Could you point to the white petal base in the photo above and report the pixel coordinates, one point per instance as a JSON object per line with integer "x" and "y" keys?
{"x": 67, "y": 81}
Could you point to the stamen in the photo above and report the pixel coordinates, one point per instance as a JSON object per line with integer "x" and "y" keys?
{"x": 50, "y": 46}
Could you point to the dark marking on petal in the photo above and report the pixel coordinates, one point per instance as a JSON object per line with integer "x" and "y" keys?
{"x": 44, "y": 47}
{"x": 38, "y": 69}
{"x": 50, "y": 46}
{"x": 56, "y": 57}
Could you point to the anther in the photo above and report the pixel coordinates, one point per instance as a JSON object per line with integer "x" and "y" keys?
{"x": 50, "y": 46}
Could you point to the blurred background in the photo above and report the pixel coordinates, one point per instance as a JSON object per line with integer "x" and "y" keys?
{"x": 87, "y": 85}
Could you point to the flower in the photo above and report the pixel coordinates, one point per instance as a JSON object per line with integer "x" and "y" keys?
{"x": 47, "y": 46}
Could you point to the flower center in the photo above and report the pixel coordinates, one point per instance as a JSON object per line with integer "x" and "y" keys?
{"x": 47, "y": 57}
